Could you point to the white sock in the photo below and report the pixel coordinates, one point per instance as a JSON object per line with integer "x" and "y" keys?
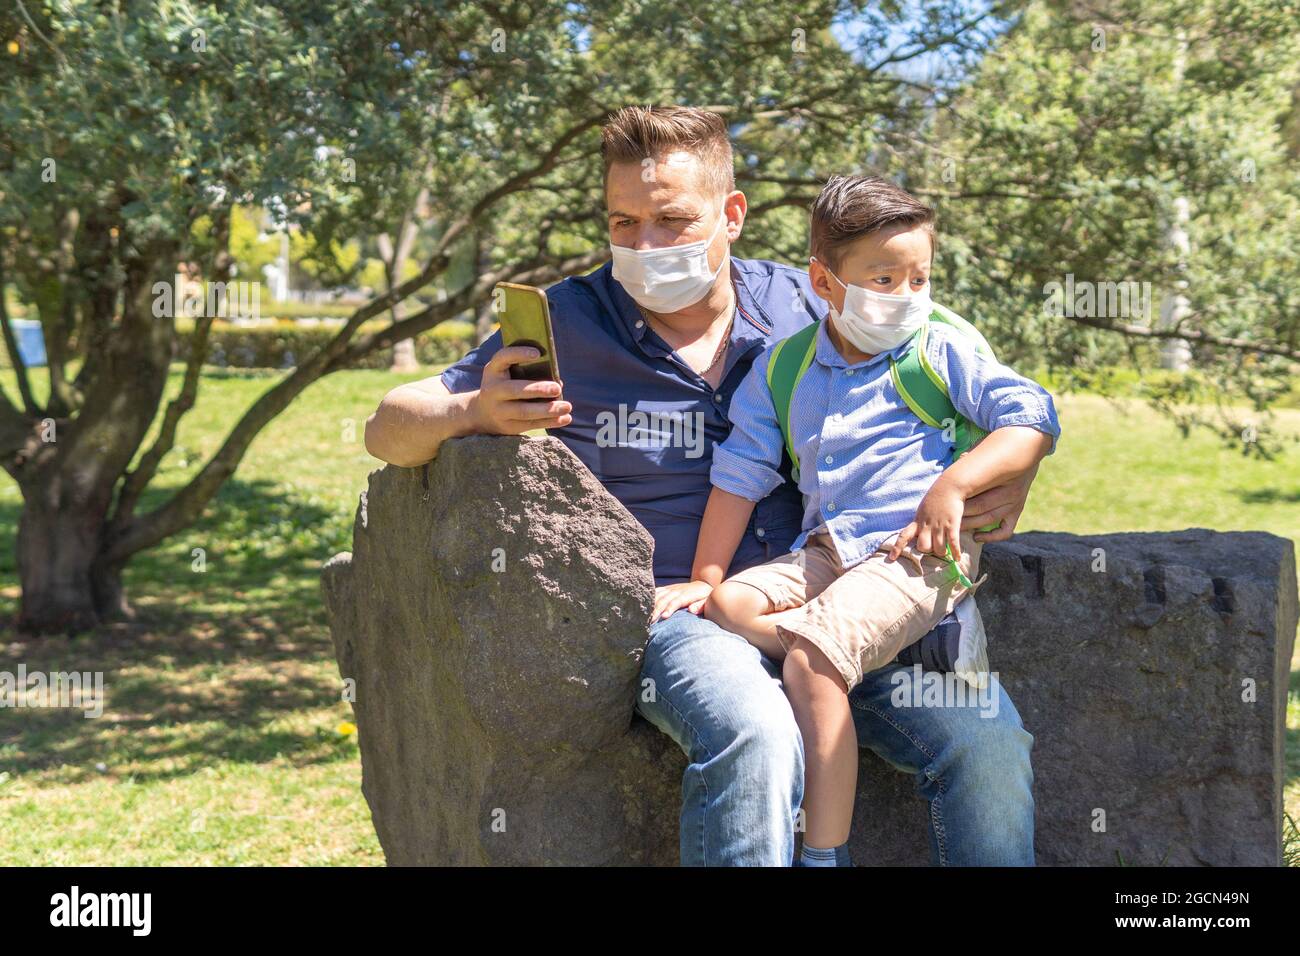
{"x": 813, "y": 856}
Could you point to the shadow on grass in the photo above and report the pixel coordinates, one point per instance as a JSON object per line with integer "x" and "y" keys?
{"x": 228, "y": 660}
{"x": 1268, "y": 496}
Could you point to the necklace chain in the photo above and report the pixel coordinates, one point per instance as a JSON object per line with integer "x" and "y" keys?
{"x": 722, "y": 344}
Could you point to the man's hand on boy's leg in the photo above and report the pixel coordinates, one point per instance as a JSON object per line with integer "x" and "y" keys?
{"x": 1003, "y": 503}
{"x": 671, "y": 598}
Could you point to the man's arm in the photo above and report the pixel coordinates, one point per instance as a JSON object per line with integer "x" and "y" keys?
{"x": 414, "y": 420}
{"x": 1004, "y": 503}
{"x": 1006, "y": 455}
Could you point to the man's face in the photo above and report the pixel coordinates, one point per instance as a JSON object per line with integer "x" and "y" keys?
{"x": 670, "y": 203}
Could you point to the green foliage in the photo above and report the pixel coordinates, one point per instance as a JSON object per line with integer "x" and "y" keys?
{"x": 1049, "y": 155}
{"x": 1067, "y": 153}
{"x": 250, "y": 246}
{"x": 285, "y": 344}
{"x": 329, "y": 262}
{"x": 299, "y": 310}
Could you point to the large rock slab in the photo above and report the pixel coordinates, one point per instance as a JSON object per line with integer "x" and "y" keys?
{"x": 1152, "y": 670}
{"x": 492, "y": 616}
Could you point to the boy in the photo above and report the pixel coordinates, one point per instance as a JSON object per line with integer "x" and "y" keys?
{"x": 881, "y": 559}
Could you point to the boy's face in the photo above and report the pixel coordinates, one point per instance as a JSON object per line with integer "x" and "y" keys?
{"x": 894, "y": 260}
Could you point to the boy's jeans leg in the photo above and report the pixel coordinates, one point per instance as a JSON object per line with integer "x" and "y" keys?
{"x": 722, "y": 702}
{"x": 971, "y": 763}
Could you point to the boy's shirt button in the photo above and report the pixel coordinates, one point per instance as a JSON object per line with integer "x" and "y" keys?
{"x": 829, "y": 460}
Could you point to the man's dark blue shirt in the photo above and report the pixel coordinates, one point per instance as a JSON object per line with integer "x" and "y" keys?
{"x": 645, "y": 423}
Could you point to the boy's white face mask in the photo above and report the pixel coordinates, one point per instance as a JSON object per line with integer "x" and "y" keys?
{"x": 670, "y": 277}
{"x": 876, "y": 322}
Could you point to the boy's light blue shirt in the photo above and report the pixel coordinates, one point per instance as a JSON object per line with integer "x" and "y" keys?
{"x": 865, "y": 459}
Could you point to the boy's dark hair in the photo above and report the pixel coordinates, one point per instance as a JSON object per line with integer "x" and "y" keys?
{"x": 850, "y": 207}
{"x": 637, "y": 133}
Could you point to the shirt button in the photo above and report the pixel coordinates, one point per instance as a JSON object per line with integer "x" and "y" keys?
{"x": 848, "y": 371}
{"x": 829, "y": 460}
{"x": 760, "y": 532}
{"x": 717, "y": 397}
{"x": 640, "y": 323}
{"x": 831, "y": 506}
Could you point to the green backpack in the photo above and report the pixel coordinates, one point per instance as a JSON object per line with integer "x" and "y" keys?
{"x": 921, "y": 387}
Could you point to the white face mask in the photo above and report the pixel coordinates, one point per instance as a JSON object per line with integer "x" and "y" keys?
{"x": 876, "y": 322}
{"x": 670, "y": 277}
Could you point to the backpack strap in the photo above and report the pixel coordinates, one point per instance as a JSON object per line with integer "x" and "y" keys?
{"x": 790, "y": 359}
{"x": 926, "y": 393}
{"x": 968, "y": 433}
{"x": 919, "y": 385}
{"x": 924, "y": 390}
{"x": 940, "y": 313}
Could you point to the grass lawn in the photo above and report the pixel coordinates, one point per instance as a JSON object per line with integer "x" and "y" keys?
{"x": 224, "y": 739}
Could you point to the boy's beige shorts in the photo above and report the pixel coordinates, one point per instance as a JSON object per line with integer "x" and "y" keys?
{"x": 863, "y": 617}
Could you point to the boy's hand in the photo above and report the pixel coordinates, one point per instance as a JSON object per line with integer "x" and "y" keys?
{"x": 937, "y": 525}
{"x": 673, "y": 597}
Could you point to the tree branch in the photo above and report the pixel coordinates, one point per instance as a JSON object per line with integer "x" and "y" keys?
{"x": 135, "y": 482}
{"x": 518, "y": 181}
{"x": 178, "y": 512}
{"x": 758, "y": 209}
{"x": 1190, "y": 335}
{"x": 439, "y": 259}
{"x": 535, "y": 272}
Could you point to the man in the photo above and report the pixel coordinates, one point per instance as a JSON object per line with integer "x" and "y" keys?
{"x": 666, "y": 332}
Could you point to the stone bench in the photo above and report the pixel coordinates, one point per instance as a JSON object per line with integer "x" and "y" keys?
{"x": 493, "y": 615}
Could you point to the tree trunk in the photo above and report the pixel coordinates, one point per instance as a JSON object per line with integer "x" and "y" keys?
{"x": 404, "y": 359}
{"x": 485, "y": 316}
{"x": 394, "y": 257}
{"x": 70, "y": 469}
{"x": 67, "y": 586}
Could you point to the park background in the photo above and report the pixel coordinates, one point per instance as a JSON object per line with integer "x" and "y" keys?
{"x": 358, "y": 177}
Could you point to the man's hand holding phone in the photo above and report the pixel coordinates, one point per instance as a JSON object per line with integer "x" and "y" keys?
{"x": 512, "y": 406}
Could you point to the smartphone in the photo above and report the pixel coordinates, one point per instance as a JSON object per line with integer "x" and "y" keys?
{"x": 526, "y": 321}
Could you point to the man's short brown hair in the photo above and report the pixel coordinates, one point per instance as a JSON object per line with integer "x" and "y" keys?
{"x": 637, "y": 133}
{"x": 850, "y": 207}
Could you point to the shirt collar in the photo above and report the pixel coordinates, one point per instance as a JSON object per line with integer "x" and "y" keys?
{"x": 752, "y": 323}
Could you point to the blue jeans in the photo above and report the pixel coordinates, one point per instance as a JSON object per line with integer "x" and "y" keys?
{"x": 721, "y": 701}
